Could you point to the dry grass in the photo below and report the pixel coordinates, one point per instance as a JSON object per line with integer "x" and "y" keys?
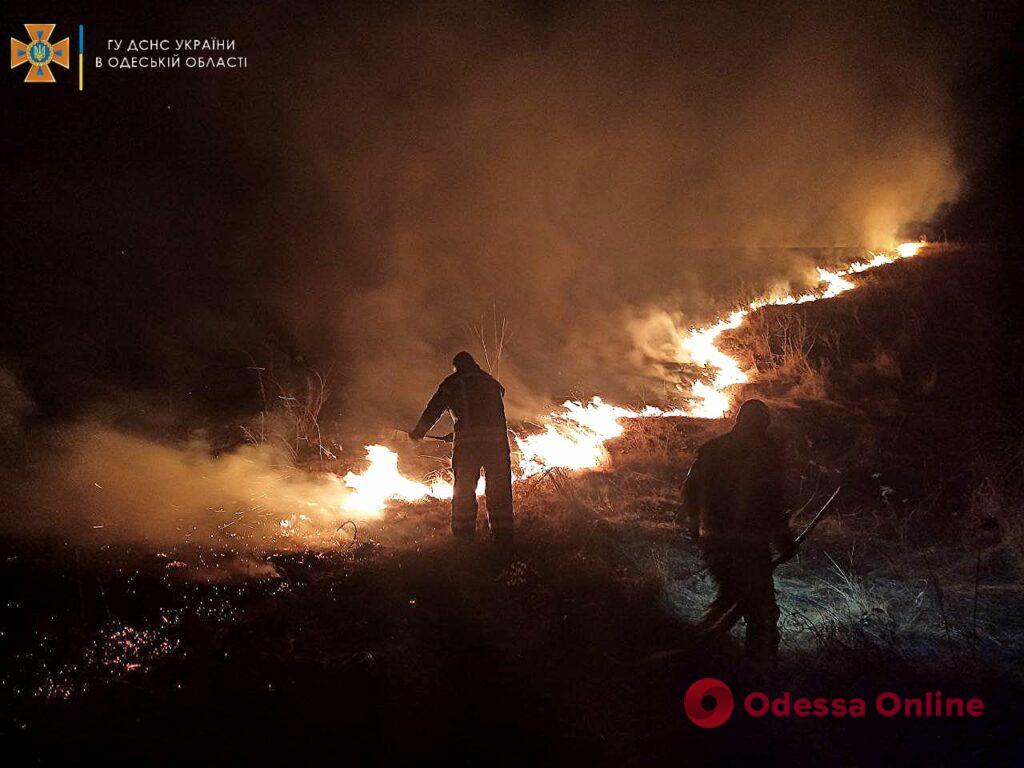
{"x": 291, "y": 414}
{"x": 492, "y": 341}
{"x": 778, "y": 345}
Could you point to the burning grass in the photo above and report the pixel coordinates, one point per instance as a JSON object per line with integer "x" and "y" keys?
{"x": 573, "y": 437}
{"x": 914, "y": 581}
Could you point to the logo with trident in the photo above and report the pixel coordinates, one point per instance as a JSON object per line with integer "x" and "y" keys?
{"x": 39, "y": 53}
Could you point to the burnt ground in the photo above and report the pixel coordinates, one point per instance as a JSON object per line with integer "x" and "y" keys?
{"x": 397, "y": 648}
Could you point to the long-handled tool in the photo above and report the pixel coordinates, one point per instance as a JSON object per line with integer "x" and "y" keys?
{"x": 788, "y": 554}
{"x": 448, "y": 438}
{"x": 727, "y": 618}
{"x": 780, "y": 560}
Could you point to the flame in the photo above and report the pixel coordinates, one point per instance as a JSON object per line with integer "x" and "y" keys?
{"x": 574, "y": 437}
{"x": 710, "y": 399}
{"x": 379, "y": 483}
{"x": 907, "y": 250}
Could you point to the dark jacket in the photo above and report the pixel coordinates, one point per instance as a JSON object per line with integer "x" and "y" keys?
{"x": 734, "y": 491}
{"x": 474, "y": 399}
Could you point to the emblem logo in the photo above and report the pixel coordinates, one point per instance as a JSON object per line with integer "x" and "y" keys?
{"x": 39, "y": 53}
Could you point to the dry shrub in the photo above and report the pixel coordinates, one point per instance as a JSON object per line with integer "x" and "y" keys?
{"x": 777, "y": 343}
{"x": 291, "y": 412}
{"x": 654, "y": 443}
{"x": 492, "y": 341}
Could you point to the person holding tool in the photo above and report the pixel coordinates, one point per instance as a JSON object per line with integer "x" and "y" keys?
{"x": 474, "y": 398}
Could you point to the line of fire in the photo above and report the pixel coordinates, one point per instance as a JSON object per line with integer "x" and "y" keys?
{"x": 511, "y": 383}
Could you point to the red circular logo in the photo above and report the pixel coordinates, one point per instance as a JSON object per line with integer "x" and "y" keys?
{"x": 708, "y": 703}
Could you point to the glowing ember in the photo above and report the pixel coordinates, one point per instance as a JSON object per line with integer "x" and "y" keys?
{"x": 574, "y": 437}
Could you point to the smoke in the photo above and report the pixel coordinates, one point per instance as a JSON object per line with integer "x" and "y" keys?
{"x": 94, "y": 484}
{"x": 568, "y": 171}
{"x": 15, "y": 406}
{"x": 381, "y": 180}
{"x": 384, "y": 184}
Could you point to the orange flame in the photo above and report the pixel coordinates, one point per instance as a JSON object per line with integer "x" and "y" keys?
{"x": 710, "y": 399}
{"x": 574, "y": 437}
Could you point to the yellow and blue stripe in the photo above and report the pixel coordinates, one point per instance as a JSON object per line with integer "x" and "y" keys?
{"x": 81, "y": 54}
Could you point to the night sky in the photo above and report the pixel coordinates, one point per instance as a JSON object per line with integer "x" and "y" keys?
{"x": 164, "y": 228}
